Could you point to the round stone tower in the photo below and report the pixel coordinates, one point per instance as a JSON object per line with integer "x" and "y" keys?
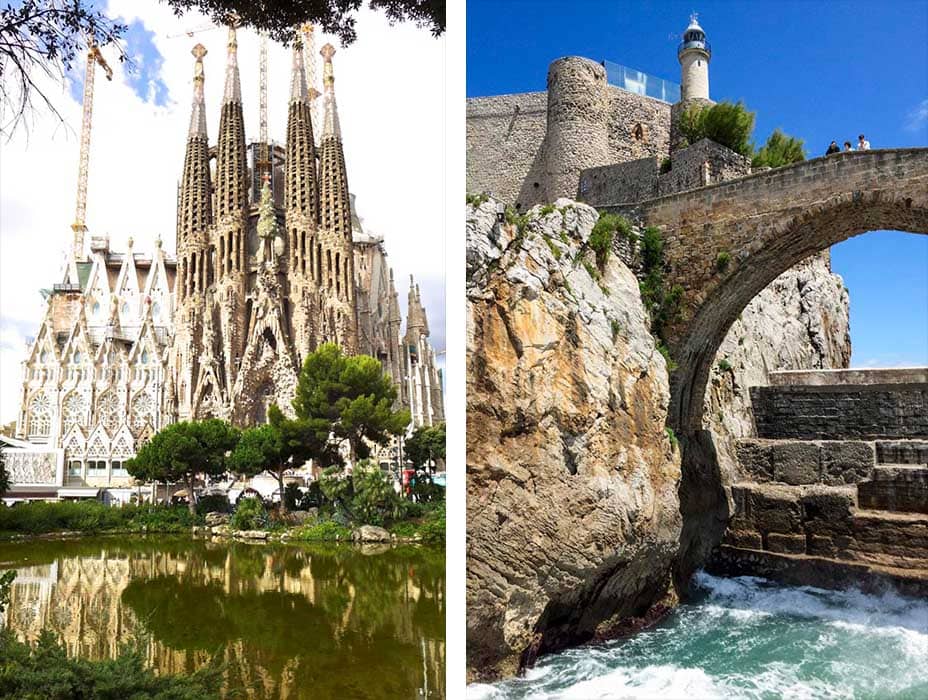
{"x": 577, "y": 135}
{"x": 694, "y": 54}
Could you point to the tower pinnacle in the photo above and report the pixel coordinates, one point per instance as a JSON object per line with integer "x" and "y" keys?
{"x": 330, "y": 126}
{"x": 198, "y": 115}
{"x": 233, "y": 89}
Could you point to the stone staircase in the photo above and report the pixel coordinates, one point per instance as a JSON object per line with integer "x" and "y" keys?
{"x": 852, "y": 510}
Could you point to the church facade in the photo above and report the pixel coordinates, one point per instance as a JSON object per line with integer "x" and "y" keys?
{"x": 271, "y": 262}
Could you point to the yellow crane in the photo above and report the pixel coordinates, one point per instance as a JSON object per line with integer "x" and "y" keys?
{"x": 94, "y": 58}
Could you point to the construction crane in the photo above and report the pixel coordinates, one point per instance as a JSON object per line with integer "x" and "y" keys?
{"x": 309, "y": 65}
{"x": 263, "y": 166}
{"x": 94, "y": 58}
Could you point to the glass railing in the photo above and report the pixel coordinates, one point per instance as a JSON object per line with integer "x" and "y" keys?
{"x": 641, "y": 83}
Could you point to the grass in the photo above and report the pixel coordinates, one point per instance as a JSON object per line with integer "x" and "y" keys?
{"x": 722, "y": 261}
{"x": 724, "y": 365}
{"x": 321, "y": 531}
{"x": 475, "y": 200}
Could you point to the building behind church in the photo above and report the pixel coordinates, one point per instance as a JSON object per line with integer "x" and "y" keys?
{"x": 272, "y": 261}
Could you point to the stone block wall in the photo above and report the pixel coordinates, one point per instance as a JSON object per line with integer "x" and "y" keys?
{"x": 530, "y": 148}
{"x": 806, "y": 462}
{"x": 634, "y": 181}
{"x": 504, "y": 144}
{"x": 688, "y": 169}
{"x": 841, "y": 412}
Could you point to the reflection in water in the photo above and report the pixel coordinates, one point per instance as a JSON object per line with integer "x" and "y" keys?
{"x": 289, "y": 621}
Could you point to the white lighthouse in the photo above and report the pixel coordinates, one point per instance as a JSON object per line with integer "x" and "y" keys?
{"x": 694, "y": 54}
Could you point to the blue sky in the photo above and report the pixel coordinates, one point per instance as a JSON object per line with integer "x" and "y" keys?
{"x": 818, "y": 70}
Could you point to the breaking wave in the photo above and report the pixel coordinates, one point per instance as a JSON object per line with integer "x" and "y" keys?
{"x": 747, "y": 637}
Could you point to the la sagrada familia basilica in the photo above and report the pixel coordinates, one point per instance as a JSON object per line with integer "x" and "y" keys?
{"x": 271, "y": 262}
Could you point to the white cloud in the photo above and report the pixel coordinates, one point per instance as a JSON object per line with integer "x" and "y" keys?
{"x": 389, "y": 86}
{"x": 918, "y": 117}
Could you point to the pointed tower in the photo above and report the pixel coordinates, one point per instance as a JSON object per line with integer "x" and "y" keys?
{"x": 194, "y": 221}
{"x": 231, "y": 170}
{"x": 195, "y": 214}
{"x": 229, "y": 238}
{"x": 337, "y": 267}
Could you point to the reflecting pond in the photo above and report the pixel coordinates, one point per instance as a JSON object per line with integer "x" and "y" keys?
{"x": 290, "y": 621}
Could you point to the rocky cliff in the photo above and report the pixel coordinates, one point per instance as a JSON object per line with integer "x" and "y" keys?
{"x": 572, "y": 510}
{"x": 799, "y": 321}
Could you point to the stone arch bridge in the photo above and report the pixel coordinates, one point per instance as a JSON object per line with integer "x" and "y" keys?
{"x": 764, "y": 224}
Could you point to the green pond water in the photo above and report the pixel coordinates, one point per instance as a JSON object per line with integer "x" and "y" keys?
{"x": 290, "y": 621}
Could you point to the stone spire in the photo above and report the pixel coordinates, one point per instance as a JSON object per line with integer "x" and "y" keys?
{"x": 415, "y": 312}
{"x": 334, "y": 202}
{"x": 301, "y": 193}
{"x": 194, "y": 208}
{"x": 231, "y": 174}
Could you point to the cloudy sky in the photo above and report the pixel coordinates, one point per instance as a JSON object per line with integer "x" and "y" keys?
{"x": 389, "y": 86}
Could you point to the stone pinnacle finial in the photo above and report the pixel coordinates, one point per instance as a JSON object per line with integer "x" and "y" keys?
{"x": 233, "y": 89}
{"x": 330, "y": 126}
{"x": 298, "y": 91}
{"x": 198, "y": 114}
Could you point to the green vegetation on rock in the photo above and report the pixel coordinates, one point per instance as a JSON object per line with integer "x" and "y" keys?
{"x": 727, "y": 123}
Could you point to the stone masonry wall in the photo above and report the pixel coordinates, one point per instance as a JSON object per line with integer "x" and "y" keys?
{"x": 836, "y": 412}
{"x": 623, "y": 182}
{"x": 688, "y": 169}
{"x": 529, "y": 148}
{"x": 504, "y": 143}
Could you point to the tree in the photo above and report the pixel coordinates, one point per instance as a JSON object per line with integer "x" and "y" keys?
{"x": 426, "y": 445}
{"x": 779, "y": 150}
{"x": 181, "y": 451}
{"x": 726, "y": 123}
{"x": 47, "y": 37}
{"x": 352, "y": 395}
{"x": 281, "y": 444}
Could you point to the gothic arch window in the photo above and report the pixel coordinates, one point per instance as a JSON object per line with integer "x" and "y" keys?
{"x": 108, "y": 412}
{"x": 73, "y": 411}
{"x": 142, "y": 411}
{"x": 43, "y": 356}
{"x": 40, "y": 415}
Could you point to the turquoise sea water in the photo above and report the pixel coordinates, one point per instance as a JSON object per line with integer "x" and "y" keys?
{"x": 749, "y": 638}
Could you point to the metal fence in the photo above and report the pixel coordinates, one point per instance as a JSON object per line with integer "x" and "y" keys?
{"x": 641, "y": 83}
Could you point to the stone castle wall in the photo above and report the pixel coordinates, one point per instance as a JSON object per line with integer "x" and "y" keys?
{"x": 530, "y": 148}
{"x": 861, "y": 412}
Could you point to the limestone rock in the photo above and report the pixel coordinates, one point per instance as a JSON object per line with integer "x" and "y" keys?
{"x": 300, "y": 517}
{"x": 214, "y": 519}
{"x": 221, "y": 530}
{"x": 370, "y": 533}
{"x": 799, "y": 321}
{"x": 251, "y": 534}
{"x": 572, "y": 510}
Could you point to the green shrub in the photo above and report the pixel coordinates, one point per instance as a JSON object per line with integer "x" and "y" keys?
{"x": 313, "y": 498}
{"x": 616, "y": 329}
{"x": 603, "y": 235}
{"x": 672, "y": 437}
{"x": 779, "y": 150}
{"x": 666, "y": 165}
{"x": 375, "y": 501}
{"x": 726, "y": 123}
{"x": 475, "y": 200}
{"x": 555, "y": 251}
{"x": 724, "y": 365}
{"x": 722, "y": 261}
{"x": 323, "y": 530}
{"x": 546, "y": 209}
{"x": 432, "y": 529}
{"x": 158, "y": 518}
{"x": 214, "y": 503}
{"x": 249, "y": 515}
{"x": 424, "y": 490}
{"x": 44, "y": 670}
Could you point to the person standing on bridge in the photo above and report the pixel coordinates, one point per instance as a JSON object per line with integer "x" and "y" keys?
{"x": 832, "y": 148}
{"x": 862, "y": 143}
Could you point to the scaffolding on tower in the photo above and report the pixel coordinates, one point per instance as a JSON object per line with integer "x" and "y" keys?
{"x": 309, "y": 67}
{"x": 79, "y": 227}
{"x": 263, "y": 163}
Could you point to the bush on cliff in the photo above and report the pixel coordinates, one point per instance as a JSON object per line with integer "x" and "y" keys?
{"x": 603, "y": 235}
